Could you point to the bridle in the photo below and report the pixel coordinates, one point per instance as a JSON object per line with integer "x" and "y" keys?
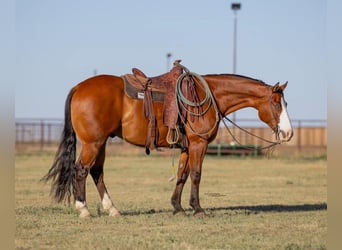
{"x": 276, "y": 130}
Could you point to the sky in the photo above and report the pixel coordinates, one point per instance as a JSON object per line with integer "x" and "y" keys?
{"x": 61, "y": 43}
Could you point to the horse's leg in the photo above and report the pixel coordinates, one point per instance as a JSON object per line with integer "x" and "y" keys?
{"x": 97, "y": 173}
{"x": 84, "y": 163}
{"x": 197, "y": 151}
{"x": 182, "y": 176}
{"x": 80, "y": 195}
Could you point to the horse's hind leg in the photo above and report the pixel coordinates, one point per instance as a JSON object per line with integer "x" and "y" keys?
{"x": 97, "y": 173}
{"x": 82, "y": 168}
{"x": 84, "y": 163}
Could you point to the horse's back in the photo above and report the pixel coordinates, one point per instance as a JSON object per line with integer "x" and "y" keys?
{"x": 96, "y": 107}
{"x": 100, "y": 84}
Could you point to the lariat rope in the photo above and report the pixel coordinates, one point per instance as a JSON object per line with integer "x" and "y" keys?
{"x": 184, "y": 103}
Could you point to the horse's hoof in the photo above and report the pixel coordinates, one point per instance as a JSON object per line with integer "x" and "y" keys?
{"x": 85, "y": 214}
{"x": 200, "y": 214}
{"x": 179, "y": 213}
{"x": 114, "y": 212}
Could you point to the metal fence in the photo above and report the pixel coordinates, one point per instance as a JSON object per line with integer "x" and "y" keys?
{"x": 40, "y": 132}
{"x": 307, "y": 133}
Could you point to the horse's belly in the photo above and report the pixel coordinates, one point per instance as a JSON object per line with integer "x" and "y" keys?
{"x": 135, "y": 124}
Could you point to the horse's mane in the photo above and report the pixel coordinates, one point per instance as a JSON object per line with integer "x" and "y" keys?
{"x": 240, "y": 76}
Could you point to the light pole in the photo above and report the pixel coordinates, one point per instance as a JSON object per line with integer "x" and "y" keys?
{"x": 235, "y": 7}
{"x": 168, "y": 57}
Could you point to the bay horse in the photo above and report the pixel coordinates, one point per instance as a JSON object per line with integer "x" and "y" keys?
{"x": 99, "y": 108}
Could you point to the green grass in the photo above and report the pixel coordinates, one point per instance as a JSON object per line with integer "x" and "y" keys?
{"x": 250, "y": 204}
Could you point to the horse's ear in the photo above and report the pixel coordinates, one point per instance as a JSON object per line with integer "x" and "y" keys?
{"x": 282, "y": 87}
{"x": 275, "y": 87}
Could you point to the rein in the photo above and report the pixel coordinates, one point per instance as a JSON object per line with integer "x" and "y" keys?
{"x": 272, "y": 143}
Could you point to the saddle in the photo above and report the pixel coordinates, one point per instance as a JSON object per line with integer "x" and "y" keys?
{"x": 159, "y": 88}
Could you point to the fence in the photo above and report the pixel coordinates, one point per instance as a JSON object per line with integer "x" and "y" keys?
{"x": 40, "y": 132}
{"x": 308, "y": 134}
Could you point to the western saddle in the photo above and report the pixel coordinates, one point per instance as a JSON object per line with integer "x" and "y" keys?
{"x": 159, "y": 88}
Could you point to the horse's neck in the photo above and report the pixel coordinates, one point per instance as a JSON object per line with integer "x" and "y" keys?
{"x": 236, "y": 93}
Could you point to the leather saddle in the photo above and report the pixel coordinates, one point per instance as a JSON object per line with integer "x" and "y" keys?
{"x": 159, "y": 88}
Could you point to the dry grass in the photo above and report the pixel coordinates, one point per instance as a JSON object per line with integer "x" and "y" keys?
{"x": 251, "y": 204}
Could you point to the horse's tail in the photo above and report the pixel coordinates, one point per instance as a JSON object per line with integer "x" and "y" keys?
{"x": 62, "y": 172}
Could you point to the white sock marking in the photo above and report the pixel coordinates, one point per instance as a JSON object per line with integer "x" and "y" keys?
{"x": 106, "y": 202}
{"x": 80, "y": 204}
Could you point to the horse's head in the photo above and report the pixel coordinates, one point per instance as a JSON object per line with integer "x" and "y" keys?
{"x": 274, "y": 113}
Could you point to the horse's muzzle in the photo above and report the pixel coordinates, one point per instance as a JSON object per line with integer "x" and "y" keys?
{"x": 285, "y": 136}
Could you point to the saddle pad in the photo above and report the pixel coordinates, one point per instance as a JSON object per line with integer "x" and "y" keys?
{"x": 136, "y": 93}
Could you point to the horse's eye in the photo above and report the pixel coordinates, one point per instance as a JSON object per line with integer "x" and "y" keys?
{"x": 277, "y": 106}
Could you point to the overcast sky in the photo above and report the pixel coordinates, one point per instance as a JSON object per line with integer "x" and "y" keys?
{"x": 60, "y": 43}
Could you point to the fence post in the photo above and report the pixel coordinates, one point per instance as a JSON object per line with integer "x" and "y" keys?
{"x": 49, "y": 133}
{"x": 219, "y": 149}
{"x": 299, "y": 141}
{"x": 41, "y": 134}
{"x": 22, "y": 127}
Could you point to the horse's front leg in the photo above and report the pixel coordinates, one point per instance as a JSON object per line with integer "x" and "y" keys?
{"x": 182, "y": 176}
{"x": 197, "y": 151}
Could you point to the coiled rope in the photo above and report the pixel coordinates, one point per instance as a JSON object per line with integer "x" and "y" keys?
{"x": 189, "y": 105}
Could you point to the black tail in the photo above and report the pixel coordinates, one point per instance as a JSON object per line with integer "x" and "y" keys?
{"x": 62, "y": 171}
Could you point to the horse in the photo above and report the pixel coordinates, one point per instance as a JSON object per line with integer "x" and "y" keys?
{"x": 99, "y": 108}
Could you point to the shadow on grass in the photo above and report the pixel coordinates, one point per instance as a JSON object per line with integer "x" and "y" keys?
{"x": 275, "y": 208}
{"x": 33, "y": 210}
{"x": 246, "y": 209}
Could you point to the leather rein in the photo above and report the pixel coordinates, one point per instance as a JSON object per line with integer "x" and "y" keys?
{"x": 271, "y": 143}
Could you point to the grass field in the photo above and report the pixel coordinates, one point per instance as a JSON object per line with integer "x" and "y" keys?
{"x": 250, "y": 203}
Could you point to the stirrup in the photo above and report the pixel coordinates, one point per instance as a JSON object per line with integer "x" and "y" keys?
{"x": 173, "y": 138}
